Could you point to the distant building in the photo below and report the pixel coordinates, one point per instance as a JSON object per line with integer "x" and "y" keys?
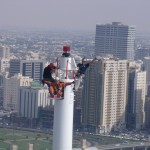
{"x": 136, "y": 97}
{"x": 147, "y": 112}
{"x": 139, "y": 99}
{"x": 31, "y": 68}
{"x": 116, "y": 39}
{"x": 14, "y": 147}
{"x": 4, "y": 52}
{"x": 147, "y": 108}
{"x": 31, "y": 99}
{"x": 146, "y": 63}
{"x": 4, "y": 65}
{"x": 4, "y": 58}
{"x": 1, "y": 90}
{"x": 30, "y": 146}
{"x": 46, "y": 116}
{"x": 104, "y": 95}
{"x": 141, "y": 53}
{"x": 11, "y": 90}
{"x": 77, "y": 109}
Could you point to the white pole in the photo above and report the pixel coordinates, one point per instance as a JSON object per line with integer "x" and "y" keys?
{"x": 63, "y": 121}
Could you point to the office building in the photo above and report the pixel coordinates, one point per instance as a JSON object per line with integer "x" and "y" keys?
{"x": 104, "y": 95}
{"x": 31, "y": 99}
{"x": 11, "y": 90}
{"x": 116, "y": 39}
{"x": 31, "y": 68}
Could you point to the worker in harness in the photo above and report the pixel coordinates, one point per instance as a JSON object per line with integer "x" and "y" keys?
{"x": 47, "y": 74}
{"x": 82, "y": 67}
{"x": 56, "y": 89}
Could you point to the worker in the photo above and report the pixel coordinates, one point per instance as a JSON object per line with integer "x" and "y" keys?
{"x": 61, "y": 86}
{"x": 82, "y": 67}
{"x": 56, "y": 89}
{"x": 47, "y": 74}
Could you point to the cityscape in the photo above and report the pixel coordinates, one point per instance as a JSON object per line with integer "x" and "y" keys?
{"x": 104, "y": 106}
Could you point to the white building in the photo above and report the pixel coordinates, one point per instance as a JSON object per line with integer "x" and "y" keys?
{"x": 31, "y": 99}
{"x": 116, "y": 39}
{"x": 11, "y": 90}
{"x": 4, "y": 65}
{"x": 4, "y": 52}
{"x": 4, "y": 58}
{"x": 104, "y": 95}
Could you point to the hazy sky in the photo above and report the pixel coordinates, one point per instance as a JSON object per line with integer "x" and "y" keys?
{"x": 74, "y": 14}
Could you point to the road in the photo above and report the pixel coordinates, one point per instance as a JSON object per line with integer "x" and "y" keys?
{"x": 125, "y": 145}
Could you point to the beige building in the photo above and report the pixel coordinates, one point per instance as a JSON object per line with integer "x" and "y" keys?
{"x": 4, "y": 52}
{"x": 104, "y": 95}
{"x": 11, "y": 90}
{"x": 4, "y": 58}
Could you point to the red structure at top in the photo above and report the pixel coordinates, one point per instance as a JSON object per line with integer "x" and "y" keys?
{"x": 66, "y": 48}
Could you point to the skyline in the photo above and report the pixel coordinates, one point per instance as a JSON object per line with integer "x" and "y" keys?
{"x": 74, "y": 15}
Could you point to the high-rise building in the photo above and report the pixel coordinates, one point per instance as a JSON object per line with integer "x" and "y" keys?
{"x": 1, "y": 90}
{"x": 4, "y": 65}
{"x": 31, "y": 68}
{"x": 146, "y": 63}
{"x": 139, "y": 99}
{"x": 31, "y": 99}
{"x": 136, "y": 97}
{"x": 147, "y": 112}
{"x": 4, "y": 58}
{"x": 11, "y": 90}
{"x": 116, "y": 39}
{"x": 140, "y": 53}
{"x": 4, "y": 52}
{"x": 104, "y": 95}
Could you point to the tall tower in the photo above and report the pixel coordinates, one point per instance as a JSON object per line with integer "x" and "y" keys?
{"x": 116, "y": 39}
{"x": 63, "y": 109}
{"x": 104, "y": 95}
